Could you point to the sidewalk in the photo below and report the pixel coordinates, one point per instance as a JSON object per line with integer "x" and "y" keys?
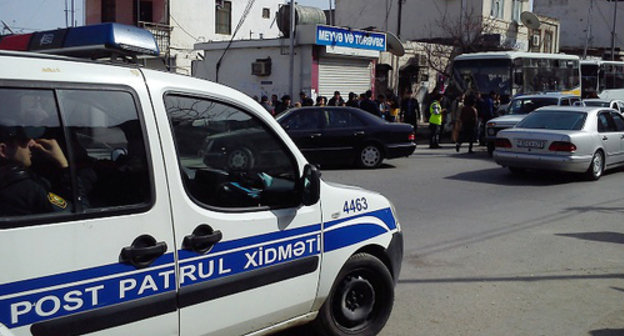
{"x": 422, "y": 140}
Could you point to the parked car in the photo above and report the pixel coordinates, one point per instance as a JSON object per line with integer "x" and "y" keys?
{"x": 346, "y": 135}
{"x": 574, "y": 139}
{"x": 617, "y": 105}
{"x": 518, "y": 108}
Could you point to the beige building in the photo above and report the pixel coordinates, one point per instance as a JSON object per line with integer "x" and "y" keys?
{"x": 589, "y": 25}
{"x": 429, "y": 28}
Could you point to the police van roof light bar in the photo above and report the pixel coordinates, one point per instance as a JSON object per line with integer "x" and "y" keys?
{"x": 93, "y": 41}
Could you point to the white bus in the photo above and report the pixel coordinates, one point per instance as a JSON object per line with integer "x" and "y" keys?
{"x": 604, "y": 79}
{"x": 510, "y": 73}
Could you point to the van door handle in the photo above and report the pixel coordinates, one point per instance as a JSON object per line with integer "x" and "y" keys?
{"x": 358, "y": 133}
{"x": 605, "y": 137}
{"x": 315, "y": 135}
{"x": 143, "y": 251}
{"x": 202, "y": 239}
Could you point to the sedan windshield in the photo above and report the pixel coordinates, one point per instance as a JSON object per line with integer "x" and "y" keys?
{"x": 599, "y": 103}
{"x": 554, "y": 120}
{"x": 528, "y": 105}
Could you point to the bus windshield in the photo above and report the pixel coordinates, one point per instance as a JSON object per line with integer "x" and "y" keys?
{"x": 483, "y": 75}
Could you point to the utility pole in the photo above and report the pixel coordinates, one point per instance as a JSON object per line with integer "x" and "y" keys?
{"x": 73, "y": 13}
{"x": 291, "y": 68}
{"x": 399, "y": 18}
{"x": 588, "y": 29}
{"x": 613, "y": 30}
{"x": 66, "y": 15}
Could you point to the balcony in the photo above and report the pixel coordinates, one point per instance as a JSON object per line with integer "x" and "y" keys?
{"x": 161, "y": 32}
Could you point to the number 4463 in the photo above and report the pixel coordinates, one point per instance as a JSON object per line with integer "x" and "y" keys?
{"x": 355, "y": 205}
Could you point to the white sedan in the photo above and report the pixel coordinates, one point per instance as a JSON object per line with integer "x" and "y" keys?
{"x": 574, "y": 139}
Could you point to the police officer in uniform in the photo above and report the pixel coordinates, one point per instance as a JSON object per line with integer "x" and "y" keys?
{"x": 22, "y": 191}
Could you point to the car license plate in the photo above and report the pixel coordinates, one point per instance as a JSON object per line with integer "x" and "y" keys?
{"x": 526, "y": 143}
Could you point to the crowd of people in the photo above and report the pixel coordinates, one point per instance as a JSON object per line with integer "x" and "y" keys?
{"x": 389, "y": 107}
{"x": 465, "y": 116}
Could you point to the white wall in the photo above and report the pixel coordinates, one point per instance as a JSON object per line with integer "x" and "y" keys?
{"x": 419, "y": 18}
{"x": 193, "y": 21}
{"x": 573, "y": 15}
{"x": 236, "y": 70}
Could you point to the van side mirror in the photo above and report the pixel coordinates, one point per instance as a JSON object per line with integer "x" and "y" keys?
{"x": 310, "y": 185}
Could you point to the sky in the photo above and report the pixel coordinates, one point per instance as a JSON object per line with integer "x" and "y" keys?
{"x": 25, "y": 16}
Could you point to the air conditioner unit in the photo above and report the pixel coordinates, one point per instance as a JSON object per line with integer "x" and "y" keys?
{"x": 261, "y": 67}
{"x": 535, "y": 40}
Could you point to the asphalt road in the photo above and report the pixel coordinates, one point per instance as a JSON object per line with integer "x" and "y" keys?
{"x": 491, "y": 253}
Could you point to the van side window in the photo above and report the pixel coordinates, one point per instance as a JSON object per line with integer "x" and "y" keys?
{"x": 57, "y": 152}
{"x": 107, "y": 141}
{"x": 229, "y": 158}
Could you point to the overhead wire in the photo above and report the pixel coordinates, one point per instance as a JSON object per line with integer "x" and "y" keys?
{"x": 250, "y": 4}
{"x": 182, "y": 28}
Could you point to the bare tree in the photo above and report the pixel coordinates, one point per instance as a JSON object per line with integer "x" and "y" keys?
{"x": 454, "y": 35}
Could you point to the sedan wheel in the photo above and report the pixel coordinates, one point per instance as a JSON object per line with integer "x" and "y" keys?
{"x": 240, "y": 159}
{"x": 370, "y": 156}
{"x": 596, "y": 168}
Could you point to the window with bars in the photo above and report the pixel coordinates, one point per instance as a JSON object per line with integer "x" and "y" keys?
{"x": 223, "y": 18}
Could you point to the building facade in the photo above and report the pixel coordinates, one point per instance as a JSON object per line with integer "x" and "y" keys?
{"x": 432, "y": 31}
{"x": 178, "y": 25}
{"x": 322, "y": 65}
{"x": 591, "y": 26}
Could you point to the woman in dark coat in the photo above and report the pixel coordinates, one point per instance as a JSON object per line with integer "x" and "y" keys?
{"x": 469, "y": 117}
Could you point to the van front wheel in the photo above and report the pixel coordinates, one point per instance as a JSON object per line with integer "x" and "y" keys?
{"x": 360, "y": 301}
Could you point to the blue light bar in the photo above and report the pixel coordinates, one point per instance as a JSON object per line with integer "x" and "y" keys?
{"x": 130, "y": 39}
{"x": 95, "y": 41}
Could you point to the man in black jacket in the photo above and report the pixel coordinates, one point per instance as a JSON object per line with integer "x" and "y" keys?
{"x": 21, "y": 190}
{"x": 368, "y": 105}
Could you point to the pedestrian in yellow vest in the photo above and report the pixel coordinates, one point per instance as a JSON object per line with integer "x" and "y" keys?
{"x": 435, "y": 122}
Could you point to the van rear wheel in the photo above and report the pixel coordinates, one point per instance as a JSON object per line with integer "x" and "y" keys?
{"x": 360, "y": 301}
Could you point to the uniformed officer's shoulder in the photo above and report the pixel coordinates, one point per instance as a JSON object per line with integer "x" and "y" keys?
{"x": 11, "y": 174}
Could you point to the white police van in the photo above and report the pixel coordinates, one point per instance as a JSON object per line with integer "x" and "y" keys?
{"x": 182, "y": 208}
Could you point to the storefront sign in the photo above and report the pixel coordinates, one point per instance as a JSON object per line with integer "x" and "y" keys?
{"x": 335, "y": 36}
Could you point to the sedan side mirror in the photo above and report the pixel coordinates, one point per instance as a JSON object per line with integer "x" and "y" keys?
{"x": 310, "y": 184}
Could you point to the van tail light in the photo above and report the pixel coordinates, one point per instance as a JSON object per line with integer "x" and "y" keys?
{"x": 502, "y": 143}
{"x": 411, "y": 137}
{"x": 562, "y": 146}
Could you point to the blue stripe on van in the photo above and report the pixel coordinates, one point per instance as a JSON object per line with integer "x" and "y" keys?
{"x": 385, "y": 215}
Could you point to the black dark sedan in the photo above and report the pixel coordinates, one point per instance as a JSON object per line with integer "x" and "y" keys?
{"x": 346, "y": 135}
